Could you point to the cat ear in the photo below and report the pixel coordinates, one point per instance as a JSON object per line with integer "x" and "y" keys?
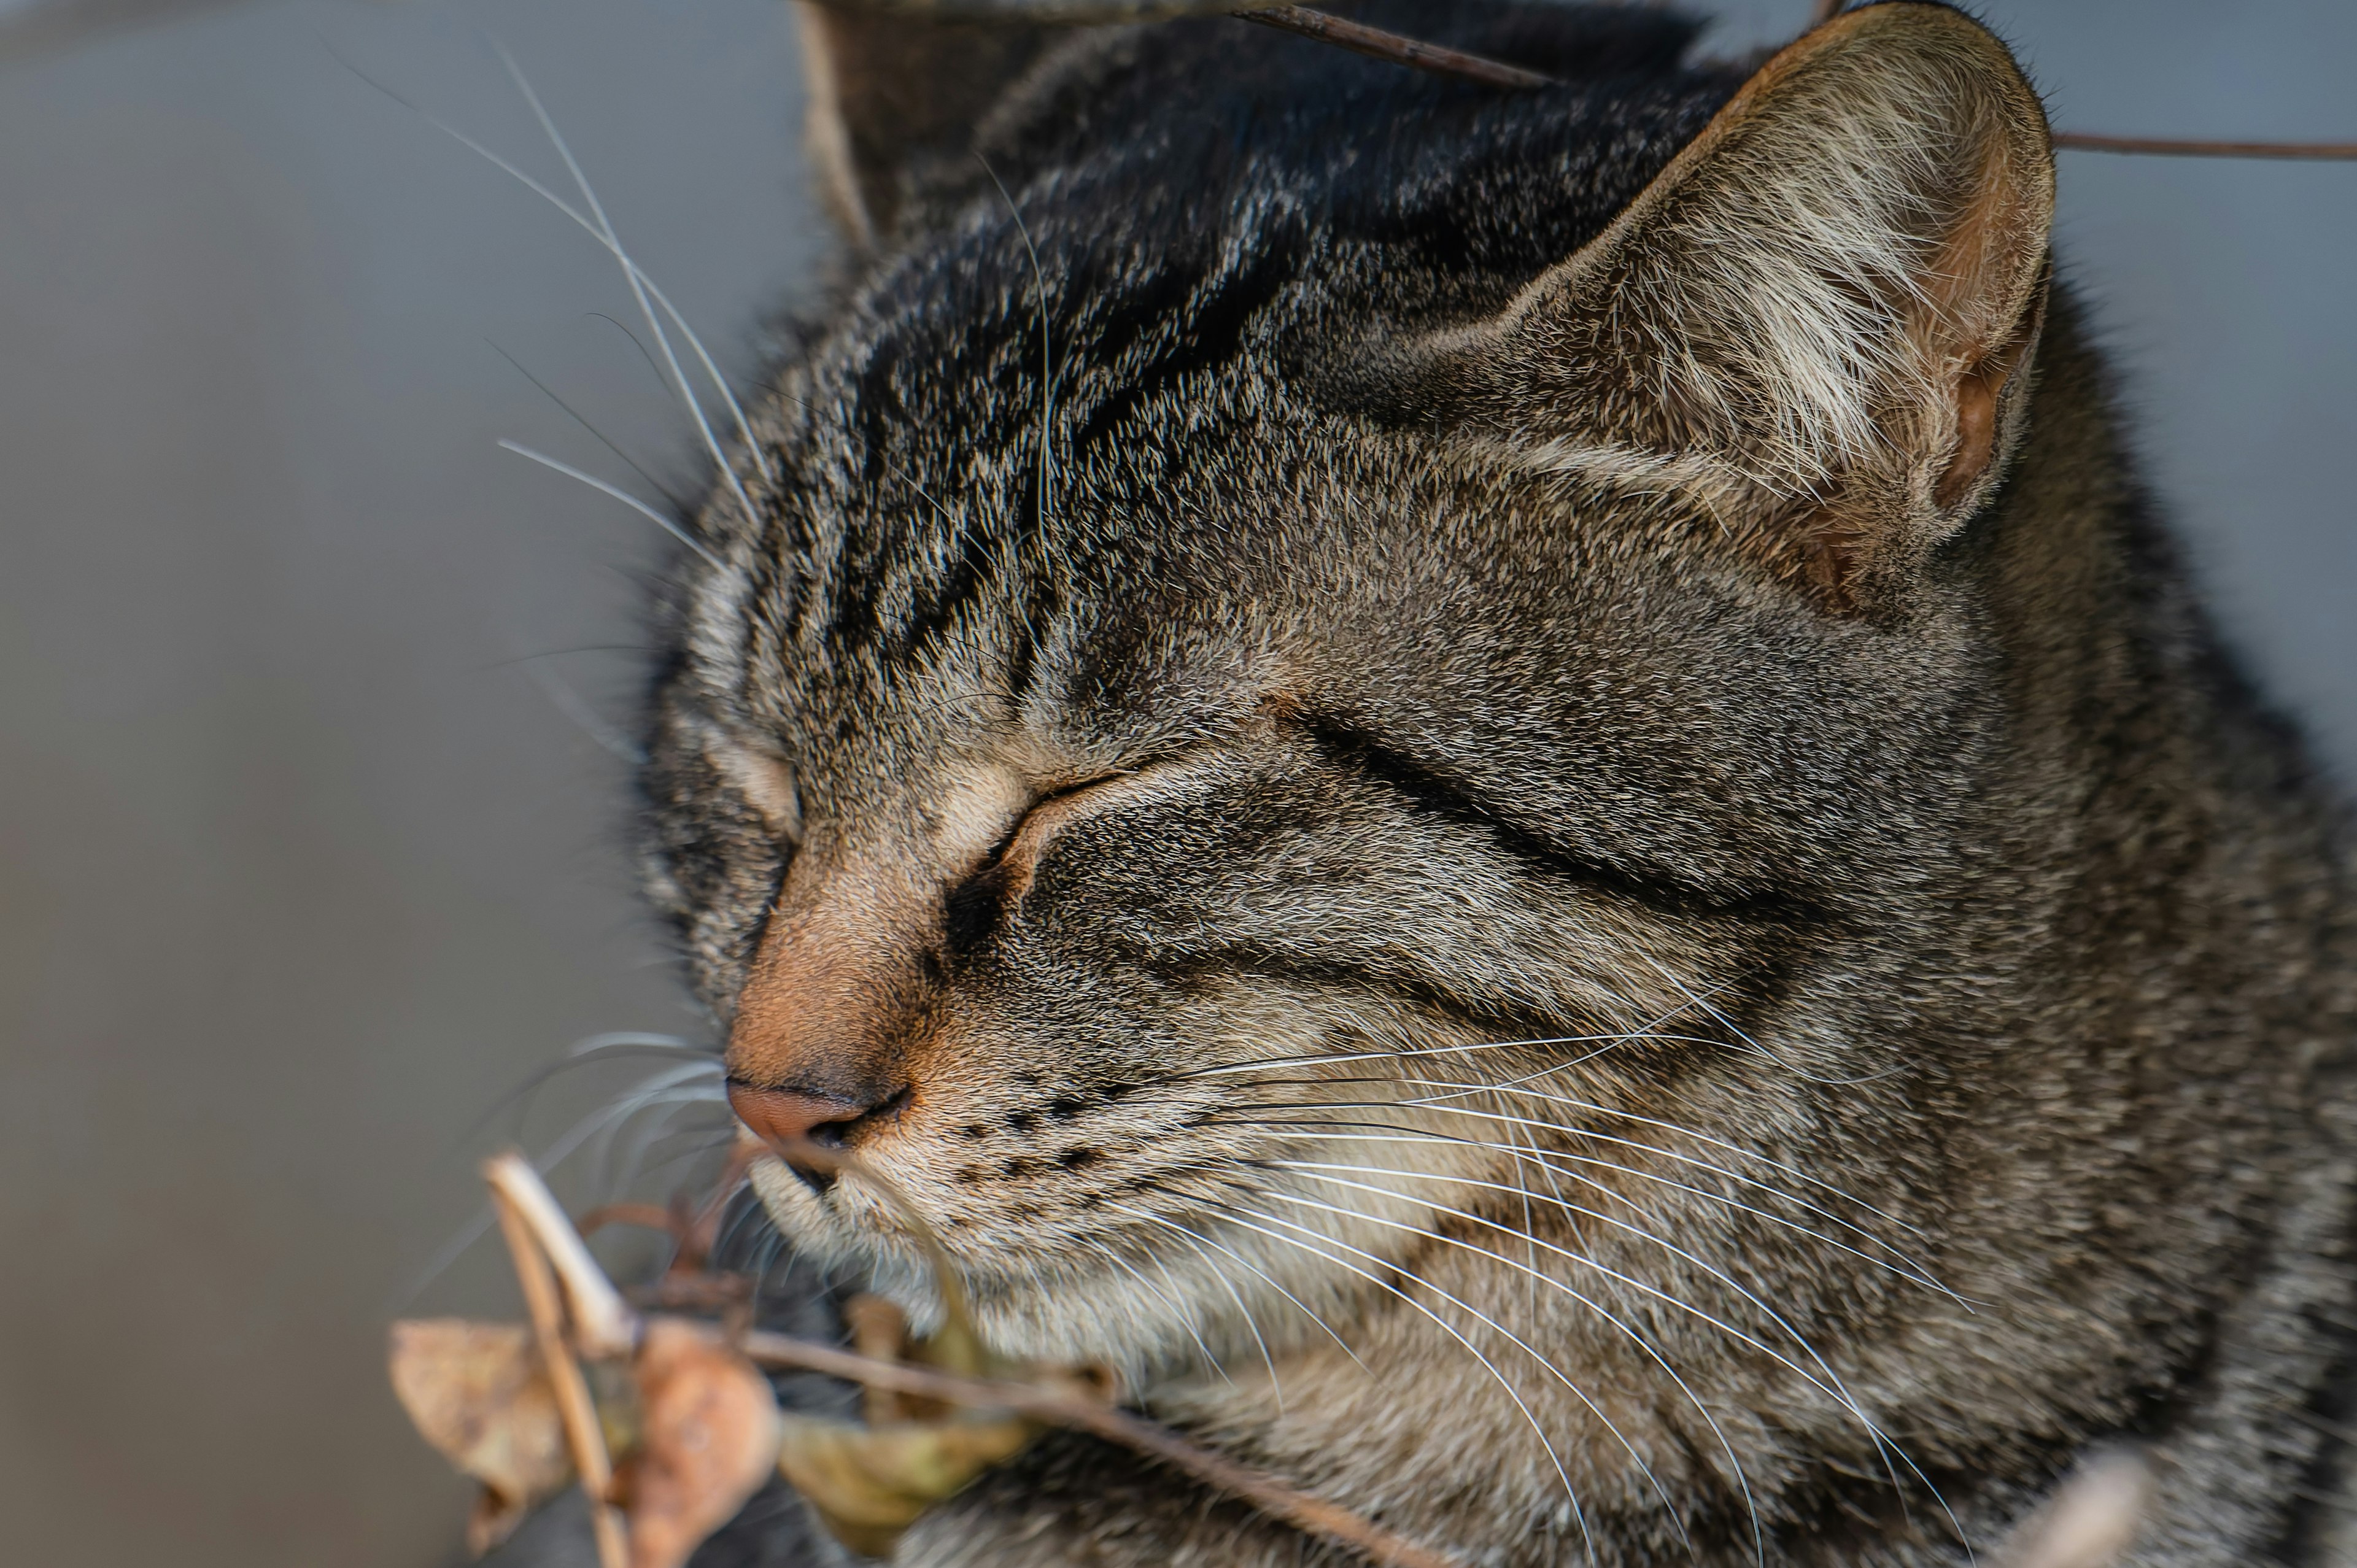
{"x": 1822, "y": 310}
{"x": 889, "y": 88}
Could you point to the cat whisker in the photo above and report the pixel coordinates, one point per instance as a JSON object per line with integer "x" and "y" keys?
{"x": 1237, "y": 1217}
{"x": 1593, "y": 1107}
{"x": 1648, "y": 1030}
{"x": 651, "y": 1091}
{"x": 616, "y": 492}
{"x": 633, "y": 1039}
{"x": 629, "y": 462}
{"x": 588, "y": 1052}
{"x": 1830, "y": 1384}
{"x": 1269, "y": 1360}
{"x": 641, "y": 288}
{"x": 1183, "y": 1317}
{"x": 1530, "y": 1229}
{"x": 658, "y": 1107}
{"x": 624, "y": 1173}
{"x": 1743, "y": 1483}
{"x": 1224, "y": 1069}
{"x": 1247, "y": 1263}
{"x": 1455, "y": 1089}
{"x": 1392, "y": 1132}
{"x": 586, "y": 719}
{"x": 638, "y": 278}
{"x": 653, "y": 369}
{"x": 1047, "y": 352}
{"x": 1756, "y": 1047}
{"x": 1608, "y": 1112}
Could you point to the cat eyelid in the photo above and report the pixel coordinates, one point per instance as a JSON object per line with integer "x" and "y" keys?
{"x": 1047, "y": 816}
{"x": 1049, "y": 800}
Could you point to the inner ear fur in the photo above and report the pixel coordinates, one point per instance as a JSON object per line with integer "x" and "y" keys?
{"x": 888, "y": 88}
{"x": 1826, "y": 303}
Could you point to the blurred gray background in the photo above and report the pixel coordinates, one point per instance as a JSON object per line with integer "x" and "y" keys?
{"x": 309, "y": 822}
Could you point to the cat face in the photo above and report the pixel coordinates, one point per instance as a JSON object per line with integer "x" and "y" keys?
{"x": 1225, "y": 755}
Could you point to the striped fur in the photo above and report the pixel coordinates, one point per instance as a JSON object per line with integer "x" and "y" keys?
{"x": 1511, "y": 795}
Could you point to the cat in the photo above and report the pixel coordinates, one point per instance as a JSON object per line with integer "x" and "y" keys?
{"x": 1511, "y": 793}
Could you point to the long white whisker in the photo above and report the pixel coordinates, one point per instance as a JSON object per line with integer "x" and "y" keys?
{"x": 1743, "y": 1483}
{"x": 1231, "y": 1215}
{"x": 620, "y": 494}
{"x": 1267, "y": 1360}
{"x": 658, "y": 1129}
{"x": 1263, "y": 1064}
{"x": 1756, "y": 1047}
{"x": 638, "y": 276}
{"x": 1185, "y": 1318}
{"x": 582, "y": 420}
{"x": 1648, "y": 1030}
{"x": 1375, "y": 1132}
{"x": 639, "y": 280}
{"x": 476, "y": 1229}
{"x": 640, "y": 293}
{"x": 1735, "y": 1149}
{"x": 1831, "y": 1383}
{"x": 679, "y": 1085}
{"x": 1591, "y": 1106}
{"x": 639, "y": 1039}
{"x": 586, "y": 719}
{"x": 1923, "y": 1275}
{"x": 1529, "y": 1226}
{"x": 1246, "y": 1263}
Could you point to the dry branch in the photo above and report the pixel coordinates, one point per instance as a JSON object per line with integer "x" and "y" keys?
{"x": 1303, "y": 1511}
{"x": 575, "y": 1407}
{"x": 688, "y": 1405}
{"x": 2177, "y": 147}
{"x": 1377, "y": 44}
{"x": 602, "y": 1326}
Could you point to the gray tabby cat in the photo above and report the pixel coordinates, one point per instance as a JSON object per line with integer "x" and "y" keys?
{"x": 1510, "y": 793}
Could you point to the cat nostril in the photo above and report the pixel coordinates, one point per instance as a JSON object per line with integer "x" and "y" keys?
{"x": 786, "y": 1115}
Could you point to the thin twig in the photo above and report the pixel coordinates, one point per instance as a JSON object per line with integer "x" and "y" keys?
{"x": 577, "y": 1411}
{"x": 1399, "y": 49}
{"x": 1378, "y": 44}
{"x": 602, "y": 1324}
{"x": 2174, "y": 148}
{"x": 1300, "y": 1509}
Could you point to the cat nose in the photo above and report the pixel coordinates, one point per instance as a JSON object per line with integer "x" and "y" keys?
{"x": 785, "y": 1116}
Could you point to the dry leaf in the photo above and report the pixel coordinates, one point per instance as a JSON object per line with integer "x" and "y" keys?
{"x": 480, "y": 1394}
{"x": 869, "y": 1484}
{"x": 707, "y": 1434}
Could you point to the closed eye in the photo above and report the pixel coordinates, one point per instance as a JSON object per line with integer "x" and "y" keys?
{"x": 974, "y": 906}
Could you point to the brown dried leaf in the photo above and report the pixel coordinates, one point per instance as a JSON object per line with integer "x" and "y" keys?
{"x": 707, "y": 1434}
{"x": 869, "y": 1484}
{"x": 480, "y": 1394}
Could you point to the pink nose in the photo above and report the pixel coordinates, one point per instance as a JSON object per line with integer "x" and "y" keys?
{"x": 786, "y": 1115}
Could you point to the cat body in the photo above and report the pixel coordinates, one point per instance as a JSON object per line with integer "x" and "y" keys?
{"x": 1511, "y": 795}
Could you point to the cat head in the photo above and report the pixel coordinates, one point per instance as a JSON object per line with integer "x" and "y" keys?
{"x": 1309, "y": 636}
